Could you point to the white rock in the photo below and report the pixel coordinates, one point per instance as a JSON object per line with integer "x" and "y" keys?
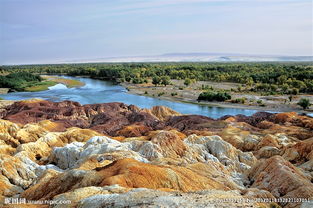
{"x": 65, "y": 157}
{"x": 74, "y": 154}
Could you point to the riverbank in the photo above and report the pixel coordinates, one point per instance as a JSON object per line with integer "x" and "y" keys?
{"x": 188, "y": 94}
{"x": 48, "y": 81}
{"x": 98, "y": 91}
{"x": 4, "y": 90}
{"x": 70, "y": 83}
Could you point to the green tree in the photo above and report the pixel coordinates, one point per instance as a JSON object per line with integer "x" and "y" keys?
{"x": 309, "y": 85}
{"x": 138, "y": 80}
{"x": 156, "y": 80}
{"x": 294, "y": 91}
{"x": 214, "y": 96}
{"x": 187, "y": 82}
{"x": 298, "y": 84}
{"x": 285, "y": 88}
{"x": 249, "y": 81}
{"x": 128, "y": 78}
{"x": 165, "y": 80}
{"x": 304, "y": 103}
{"x": 282, "y": 79}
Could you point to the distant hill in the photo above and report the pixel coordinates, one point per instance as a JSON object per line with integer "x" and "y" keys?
{"x": 201, "y": 57}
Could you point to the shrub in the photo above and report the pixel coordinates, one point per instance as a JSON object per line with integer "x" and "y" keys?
{"x": 161, "y": 93}
{"x": 304, "y": 103}
{"x": 156, "y": 80}
{"x": 285, "y": 88}
{"x": 206, "y": 87}
{"x": 293, "y": 91}
{"x": 214, "y": 96}
{"x": 189, "y": 81}
{"x": 239, "y": 100}
{"x": 138, "y": 80}
{"x": 165, "y": 80}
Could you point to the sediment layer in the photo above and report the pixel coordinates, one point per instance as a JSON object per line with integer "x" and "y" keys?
{"x": 118, "y": 155}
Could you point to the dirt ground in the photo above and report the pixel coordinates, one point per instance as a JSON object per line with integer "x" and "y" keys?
{"x": 177, "y": 91}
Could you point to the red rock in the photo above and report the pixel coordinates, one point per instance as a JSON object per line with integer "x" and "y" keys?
{"x": 133, "y": 131}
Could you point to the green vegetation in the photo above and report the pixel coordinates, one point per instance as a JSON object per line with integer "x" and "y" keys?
{"x": 189, "y": 81}
{"x": 260, "y": 102}
{"x": 161, "y": 93}
{"x": 214, "y": 96}
{"x": 138, "y": 80}
{"x": 304, "y": 103}
{"x": 68, "y": 82}
{"x": 239, "y": 100}
{"x": 173, "y": 93}
{"x": 266, "y": 78}
{"x": 156, "y": 80}
{"x": 40, "y": 86}
{"x": 19, "y": 81}
{"x": 206, "y": 87}
{"x": 165, "y": 80}
{"x": 25, "y": 81}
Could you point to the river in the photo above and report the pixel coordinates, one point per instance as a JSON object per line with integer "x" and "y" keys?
{"x": 98, "y": 91}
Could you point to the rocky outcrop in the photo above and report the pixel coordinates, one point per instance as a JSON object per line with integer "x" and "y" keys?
{"x": 115, "y": 154}
{"x": 117, "y": 118}
{"x": 151, "y": 198}
{"x": 128, "y": 173}
{"x": 161, "y": 112}
{"x": 105, "y": 118}
{"x": 19, "y": 173}
{"x": 281, "y": 178}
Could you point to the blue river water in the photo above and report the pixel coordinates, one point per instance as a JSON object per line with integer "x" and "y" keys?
{"x": 98, "y": 91}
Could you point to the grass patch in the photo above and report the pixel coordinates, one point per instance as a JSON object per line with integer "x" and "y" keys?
{"x": 68, "y": 82}
{"x": 40, "y": 86}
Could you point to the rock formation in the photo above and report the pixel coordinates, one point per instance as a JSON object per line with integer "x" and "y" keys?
{"x": 117, "y": 155}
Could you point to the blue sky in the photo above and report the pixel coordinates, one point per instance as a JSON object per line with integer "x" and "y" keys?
{"x": 45, "y": 31}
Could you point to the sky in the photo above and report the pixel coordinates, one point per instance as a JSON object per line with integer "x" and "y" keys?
{"x": 45, "y": 31}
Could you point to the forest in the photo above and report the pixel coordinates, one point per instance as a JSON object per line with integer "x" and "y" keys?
{"x": 284, "y": 78}
{"x": 19, "y": 80}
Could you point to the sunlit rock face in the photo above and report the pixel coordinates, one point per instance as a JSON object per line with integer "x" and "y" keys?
{"x": 281, "y": 178}
{"x": 142, "y": 197}
{"x": 114, "y": 154}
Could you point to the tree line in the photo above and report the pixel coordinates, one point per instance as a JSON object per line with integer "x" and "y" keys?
{"x": 19, "y": 80}
{"x": 286, "y": 78}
